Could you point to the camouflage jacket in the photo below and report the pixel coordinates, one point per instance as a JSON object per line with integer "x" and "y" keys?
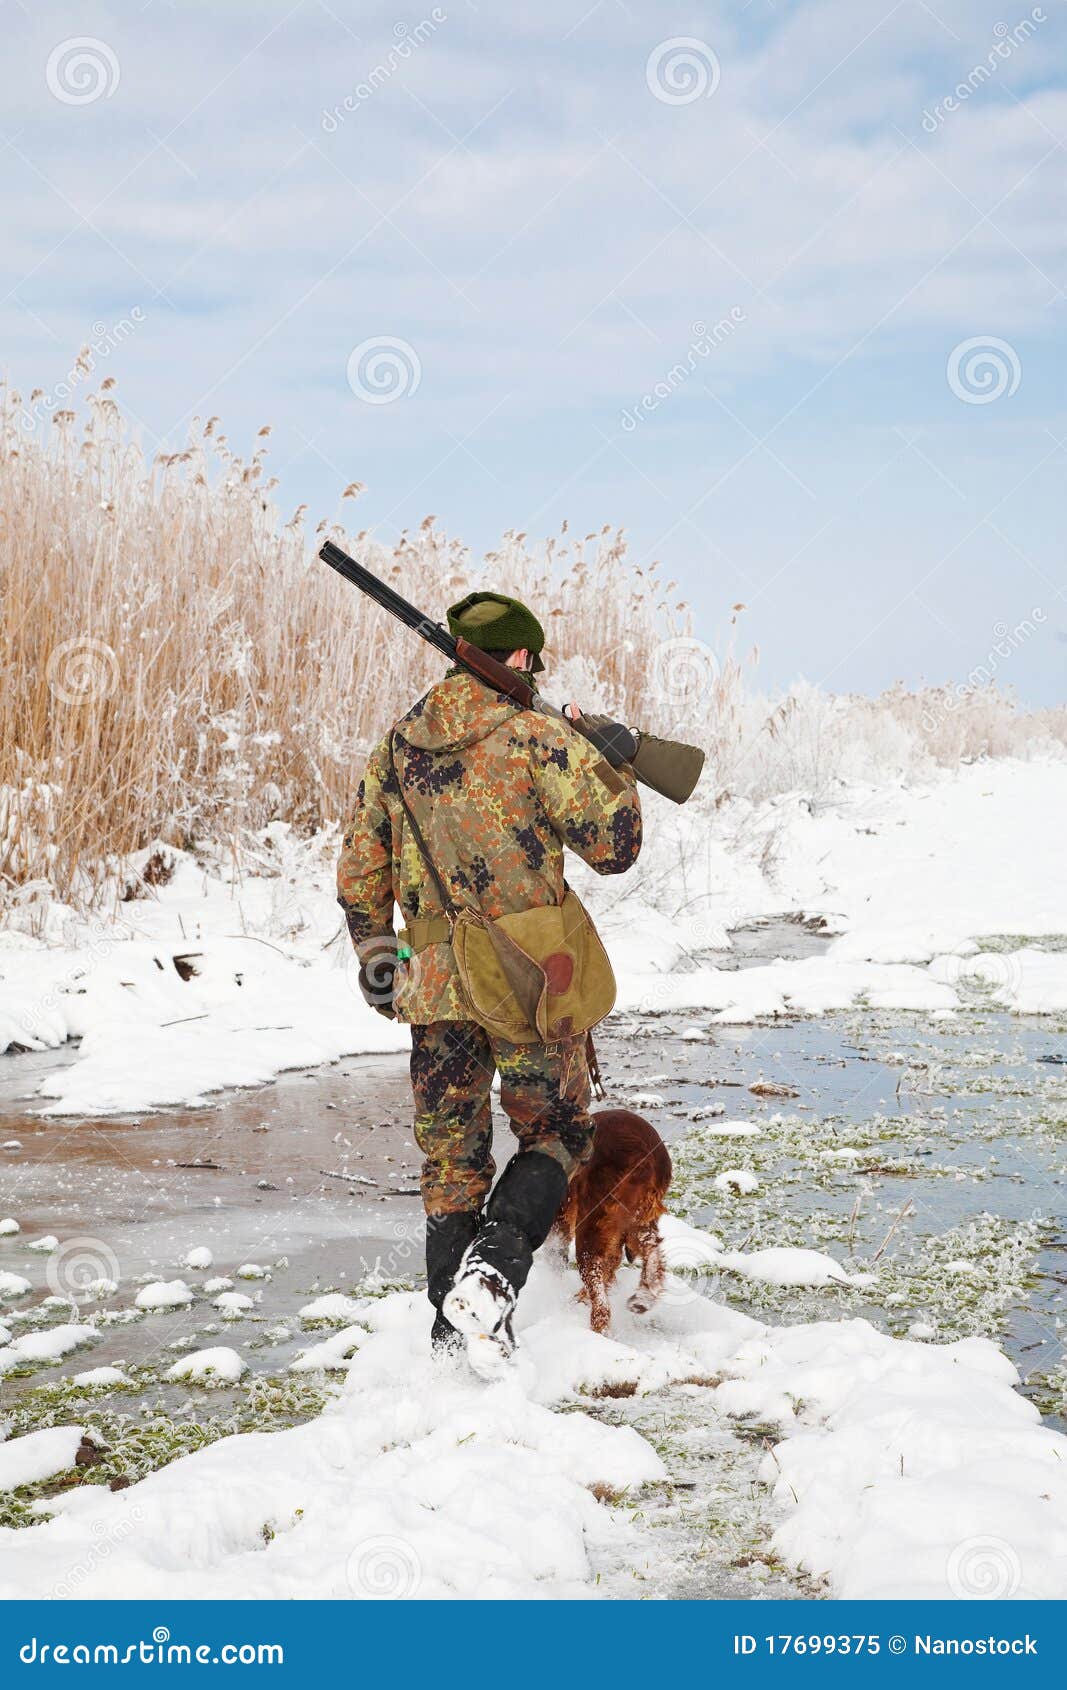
{"x": 497, "y": 792}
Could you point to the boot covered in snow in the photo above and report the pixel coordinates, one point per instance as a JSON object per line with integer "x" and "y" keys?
{"x": 447, "y": 1237}
{"x": 495, "y": 1267}
{"x": 444, "y": 1339}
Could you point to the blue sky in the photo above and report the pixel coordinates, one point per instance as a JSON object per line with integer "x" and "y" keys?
{"x": 544, "y": 211}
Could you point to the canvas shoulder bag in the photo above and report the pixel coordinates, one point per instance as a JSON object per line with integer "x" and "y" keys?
{"x": 537, "y": 976}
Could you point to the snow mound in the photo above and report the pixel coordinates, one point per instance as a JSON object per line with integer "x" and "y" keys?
{"x": 333, "y": 1355}
{"x": 902, "y": 1468}
{"x": 334, "y": 1309}
{"x": 48, "y": 1346}
{"x": 417, "y": 1482}
{"x": 741, "y": 1181}
{"x": 219, "y": 1366}
{"x": 791, "y": 1266}
{"x": 39, "y": 1455}
{"x": 919, "y": 1472}
{"x": 100, "y": 1376}
{"x": 687, "y": 1250}
{"x": 164, "y": 1294}
{"x": 232, "y": 1305}
{"x": 235, "y": 1014}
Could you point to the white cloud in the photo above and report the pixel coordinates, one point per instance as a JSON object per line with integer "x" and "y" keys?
{"x": 553, "y": 266}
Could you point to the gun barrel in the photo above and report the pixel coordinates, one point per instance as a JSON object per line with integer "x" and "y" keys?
{"x": 667, "y": 766}
{"x": 388, "y": 598}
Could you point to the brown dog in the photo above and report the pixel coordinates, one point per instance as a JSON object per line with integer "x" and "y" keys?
{"x": 613, "y": 1206}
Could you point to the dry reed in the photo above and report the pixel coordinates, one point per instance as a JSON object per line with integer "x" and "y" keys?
{"x": 175, "y": 663}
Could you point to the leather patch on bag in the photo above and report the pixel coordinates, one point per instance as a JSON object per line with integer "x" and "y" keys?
{"x": 559, "y": 972}
{"x": 611, "y": 777}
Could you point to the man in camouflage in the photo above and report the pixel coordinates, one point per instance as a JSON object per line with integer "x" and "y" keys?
{"x": 497, "y": 792}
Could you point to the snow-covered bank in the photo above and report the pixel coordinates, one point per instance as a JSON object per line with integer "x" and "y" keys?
{"x": 206, "y": 982}
{"x": 199, "y": 985}
{"x": 900, "y": 1469}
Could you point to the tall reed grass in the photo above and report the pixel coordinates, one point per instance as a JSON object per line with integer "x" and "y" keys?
{"x": 175, "y": 663}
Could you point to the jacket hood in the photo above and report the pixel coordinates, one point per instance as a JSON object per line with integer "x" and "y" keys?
{"x": 456, "y": 712}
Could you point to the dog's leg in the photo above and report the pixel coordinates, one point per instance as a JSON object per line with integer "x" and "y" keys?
{"x": 594, "y": 1292}
{"x": 645, "y": 1243}
{"x": 599, "y": 1256}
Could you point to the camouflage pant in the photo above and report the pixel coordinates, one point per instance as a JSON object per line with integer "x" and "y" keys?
{"x": 544, "y": 1090}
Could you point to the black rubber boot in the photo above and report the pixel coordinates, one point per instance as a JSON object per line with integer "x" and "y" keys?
{"x": 520, "y": 1213}
{"x": 447, "y": 1237}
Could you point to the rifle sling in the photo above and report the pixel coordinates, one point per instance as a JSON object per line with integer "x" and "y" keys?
{"x": 526, "y": 981}
{"x": 448, "y": 903}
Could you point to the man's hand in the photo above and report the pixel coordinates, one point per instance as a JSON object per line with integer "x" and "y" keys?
{"x": 378, "y": 964}
{"x": 616, "y": 741}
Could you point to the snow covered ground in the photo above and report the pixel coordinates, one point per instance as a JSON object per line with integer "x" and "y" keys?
{"x": 211, "y": 981}
{"x": 890, "y": 1467}
{"x": 877, "y": 1465}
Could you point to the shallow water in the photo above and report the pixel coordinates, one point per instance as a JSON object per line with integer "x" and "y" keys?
{"x": 953, "y": 1119}
{"x": 252, "y": 1178}
{"x": 960, "y": 1126}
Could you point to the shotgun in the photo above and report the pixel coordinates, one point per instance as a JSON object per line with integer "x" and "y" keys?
{"x": 665, "y": 765}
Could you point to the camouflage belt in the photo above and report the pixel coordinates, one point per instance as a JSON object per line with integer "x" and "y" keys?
{"x": 431, "y": 930}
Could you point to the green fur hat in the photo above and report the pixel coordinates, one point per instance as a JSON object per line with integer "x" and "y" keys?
{"x": 494, "y": 622}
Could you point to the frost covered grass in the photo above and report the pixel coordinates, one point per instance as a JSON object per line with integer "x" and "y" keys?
{"x": 938, "y": 1202}
{"x": 178, "y": 667}
{"x": 132, "y": 1443}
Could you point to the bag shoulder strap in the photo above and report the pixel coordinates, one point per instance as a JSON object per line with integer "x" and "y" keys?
{"x": 448, "y": 903}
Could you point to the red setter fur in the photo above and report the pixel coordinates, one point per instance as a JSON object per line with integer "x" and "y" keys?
{"x": 613, "y": 1206}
